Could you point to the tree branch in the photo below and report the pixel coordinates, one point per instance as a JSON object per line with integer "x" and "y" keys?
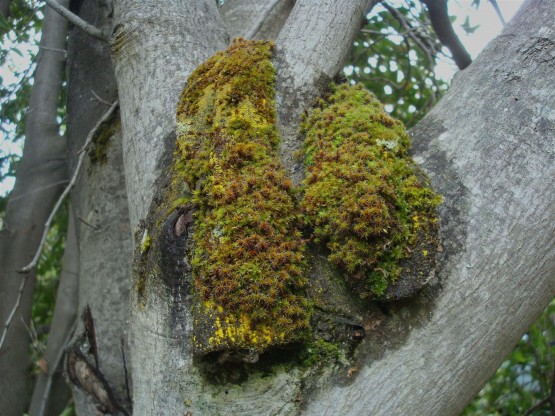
{"x": 52, "y": 384}
{"x": 78, "y": 22}
{"x": 255, "y": 18}
{"x": 445, "y": 33}
{"x": 498, "y": 11}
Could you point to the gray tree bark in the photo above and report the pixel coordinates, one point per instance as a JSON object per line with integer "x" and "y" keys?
{"x": 100, "y": 205}
{"x": 41, "y": 178}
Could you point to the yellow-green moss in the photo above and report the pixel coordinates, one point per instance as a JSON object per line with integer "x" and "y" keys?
{"x": 363, "y": 196}
{"x": 248, "y": 262}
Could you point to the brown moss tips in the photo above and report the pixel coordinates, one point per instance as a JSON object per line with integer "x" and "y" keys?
{"x": 247, "y": 258}
{"x": 364, "y": 198}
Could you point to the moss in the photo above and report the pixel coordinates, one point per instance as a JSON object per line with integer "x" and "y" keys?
{"x": 248, "y": 262}
{"x": 145, "y": 242}
{"x": 320, "y": 352}
{"x": 364, "y": 198}
{"x": 98, "y": 152}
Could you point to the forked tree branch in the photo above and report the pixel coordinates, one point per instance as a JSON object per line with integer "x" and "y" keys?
{"x": 77, "y": 21}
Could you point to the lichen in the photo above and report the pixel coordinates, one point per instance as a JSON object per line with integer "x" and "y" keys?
{"x": 364, "y": 198}
{"x": 248, "y": 263}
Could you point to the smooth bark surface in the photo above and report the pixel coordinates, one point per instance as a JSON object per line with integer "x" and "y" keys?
{"x": 488, "y": 147}
{"x": 40, "y": 179}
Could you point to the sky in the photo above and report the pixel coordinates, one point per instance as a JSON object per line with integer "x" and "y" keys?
{"x": 485, "y": 17}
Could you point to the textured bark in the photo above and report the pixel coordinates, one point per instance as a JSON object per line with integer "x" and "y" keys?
{"x": 40, "y": 180}
{"x": 100, "y": 205}
{"x": 154, "y": 50}
{"x": 488, "y": 147}
{"x": 311, "y": 50}
{"x": 51, "y": 394}
{"x": 254, "y": 19}
{"x": 155, "y": 47}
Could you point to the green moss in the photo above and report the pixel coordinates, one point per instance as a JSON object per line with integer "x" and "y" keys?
{"x": 320, "y": 352}
{"x": 364, "y": 198}
{"x": 98, "y": 152}
{"x": 248, "y": 261}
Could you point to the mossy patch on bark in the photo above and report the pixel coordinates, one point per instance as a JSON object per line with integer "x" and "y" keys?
{"x": 364, "y": 198}
{"x": 248, "y": 262}
{"x": 225, "y": 228}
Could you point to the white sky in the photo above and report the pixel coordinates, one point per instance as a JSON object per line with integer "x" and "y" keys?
{"x": 485, "y": 17}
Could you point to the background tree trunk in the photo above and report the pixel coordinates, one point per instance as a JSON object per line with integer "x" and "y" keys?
{"x": 41, "y": 177}
{"x": 52, "y": 394}
{"x": 100, "y": 205}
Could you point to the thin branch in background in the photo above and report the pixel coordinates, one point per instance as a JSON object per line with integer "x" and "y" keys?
{"x": 410, "y": 33}
{"x": 439, "y": 17}
{"x": 88, "y": 223}
{"x": 424, "y": 45}
{"x": 537, "y": 406}
{"x": 546, "y": 400}
{"x": 26, "y": 270}
{"x": 128, "y": 390}
{"x": 52, "y": 369}
{"x": 99, "y": 99}
{"x": 498, "y": 11}
{"x": 78, "y": 22}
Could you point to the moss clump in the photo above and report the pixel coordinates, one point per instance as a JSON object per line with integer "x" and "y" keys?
{"x": 247, "y": 258}
{"x": 363, "y": 196}
{"x": 98, "y": 152}
{"x": 320, "y": 352}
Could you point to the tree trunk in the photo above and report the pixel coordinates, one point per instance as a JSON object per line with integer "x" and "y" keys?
{"x": 100, "y": 206}
{"x": 482, "y": 154}
{"x": 52, "y": 394}
{"x": 41, "y": 178}
{"x": 487, "y": 147}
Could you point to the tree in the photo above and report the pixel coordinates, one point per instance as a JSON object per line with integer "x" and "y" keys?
{"x": 486, "y": 147}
